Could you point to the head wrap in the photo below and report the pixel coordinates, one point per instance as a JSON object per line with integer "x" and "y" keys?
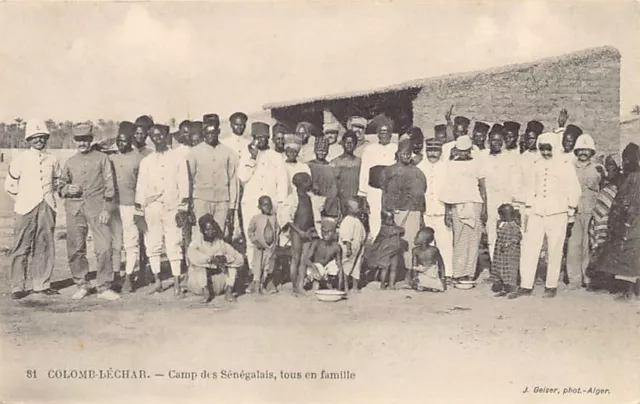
{"x": 378, "y": 122}
{"x": 280, "y": 127}
{"x": 82, "y": 129}
{"x": 632, "y": 151}
{"x": 461, "y": 120}
{"x": 535, "y": 127}
{"x": 331, "y": 127}
{"x": 259, "y": 129}
{"x": 463, "y": 143}
{"x": 585, "y": 141}
{"x": 292, "y": 141}
{"x": 433, "y": 144}
{"x": 442, "y": 128}
{"x": 310, "y": 128}
{"x": 417, "y": 137}
{"x": 144, "y": 122}
{"x": 35, "y": 128}
{"x": 511, "y": 126}
{"x": 356, "y": 120}
{"x": 481, "y": 127}
{"x": 237, "y": 115}
{"x": 552, "y": 139}
{"x": 573, "y": 130}
{"x": 321, "y": 144}
{"x": 211, "y": 120}
{"x": 126, "y": 128}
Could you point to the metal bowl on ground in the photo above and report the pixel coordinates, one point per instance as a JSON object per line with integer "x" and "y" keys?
{"x": 465, "y": 285}
{"x": 330, "y": 295}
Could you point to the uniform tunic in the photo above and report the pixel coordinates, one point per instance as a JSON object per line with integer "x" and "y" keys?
{"x": 375, "y": 154}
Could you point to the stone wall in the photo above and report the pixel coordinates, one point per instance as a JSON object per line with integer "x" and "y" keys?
{"x": 586, "y": 83}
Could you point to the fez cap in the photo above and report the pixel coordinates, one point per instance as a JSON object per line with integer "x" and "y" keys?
{"x": 259, "y": 129}
{"x": 496, "y": 128}
{"x": 237, "y": 115}
{"x": 321, "y": 144}
{"x": 184, "y": 123}
{"x": 511, "y": 126}
{"x": 481, "y": 127}
{"x": 196, "y": 127}
{"x": 416, "y": 135}
{"x": 82, "y": 129}
{"x": 461, "y": 120}
{"x": 573, "y": 130}
{"x": 535, "y": 127}
{"x": 211, "y": 120}
{"x": 442, "y": 128}
{"x": 126, "y": 128}
{"x": 144, "y": 121}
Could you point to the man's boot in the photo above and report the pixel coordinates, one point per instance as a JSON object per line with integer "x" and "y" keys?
{"x": 519, "y": 292}
{"x": 550, "y": 293}
{"x": 228, "y": 294}
{"x": 157, "y": 288}
{"x": 127, "y": 286}
{"x": 177, "y": 291}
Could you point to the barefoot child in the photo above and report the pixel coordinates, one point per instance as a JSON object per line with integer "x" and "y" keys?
{"x": 323, "y": 259}
{"x": 301, "y": 226}
{"x": 352, "y": 236}
{"x": 387, "y": 249}
{"x": 427, "y": 264}
{"x": 213, "y": 263}
{"x": 263, "y": 233}
{"x": 506, "y": 256}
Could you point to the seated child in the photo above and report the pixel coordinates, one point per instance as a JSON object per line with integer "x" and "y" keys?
{"x": 302, "y": 228}
{"x": 387, "y": 249}
{"x": 427, "y": 273}
{"x": 323, "y": 259}
{"x": 263, "y": 233}
{"x": 506, "y": 255}
{"x": 213, "y": 263}
{"x": 352, "y": 236}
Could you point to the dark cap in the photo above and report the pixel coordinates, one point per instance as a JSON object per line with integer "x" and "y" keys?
{"x": 416, "y": 135}
{"x": 480, "y": 127}
{"x": 259, "y": 129}
{"x": 184, "y": 123}
{"x": 511, "y": 126}
{"x": 461, "y": 120}
{"x": 196, "y": 127}
{"x": 237, "y": 115}
{"x": 82, "y": 129}
{"x": 573, "y": 130}
{"x": 496, "y": 128}
{"x": 442, "y": 128}
{"x": 144, "y": 121}
{"x": 535, "y": 127}
{"x": 126, "y": 128}
{"x": 211, "y": 120}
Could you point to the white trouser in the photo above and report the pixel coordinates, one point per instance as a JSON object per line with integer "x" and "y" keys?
{"x": 130, "y": 237}
{"x": 554, "y": 227}
{"x": 374, "y": 198}
{"x": 444, "y": 240}
{"x": 162, "y": 229}
{"x": 317, "y": 204}
{"x": 492, "y": 231}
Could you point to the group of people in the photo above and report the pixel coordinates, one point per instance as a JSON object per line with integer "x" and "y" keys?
{"x": 340, "y": 208}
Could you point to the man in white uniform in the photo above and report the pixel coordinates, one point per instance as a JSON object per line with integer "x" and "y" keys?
{"x": 162, "y": 196}
{"x": 31, "y": 181}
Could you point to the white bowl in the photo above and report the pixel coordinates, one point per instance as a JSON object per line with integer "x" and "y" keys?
{"x": 464, "y": 285}
{"x": 329, "y": 295}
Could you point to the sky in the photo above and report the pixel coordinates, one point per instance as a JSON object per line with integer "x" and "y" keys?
{"x": 79, "y": 60}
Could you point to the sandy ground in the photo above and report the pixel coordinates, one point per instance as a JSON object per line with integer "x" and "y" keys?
{"x": 394, "y": 346}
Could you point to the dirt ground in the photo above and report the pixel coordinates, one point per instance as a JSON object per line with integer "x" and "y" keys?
{"x": 391, "y": 346}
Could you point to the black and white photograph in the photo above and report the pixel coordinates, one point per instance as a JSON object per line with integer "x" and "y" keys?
{"x": 320, "y": 202}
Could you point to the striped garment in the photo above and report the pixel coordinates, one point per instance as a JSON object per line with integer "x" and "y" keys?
{"x": 598, "y": 230}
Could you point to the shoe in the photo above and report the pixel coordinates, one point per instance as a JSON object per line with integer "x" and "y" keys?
{"x": 497, "y": 287}
{"x": 550, "y": 292}
{"x": 520, "y": 292}
{"x": 82, "y": 292}
{"x": 228, "y": 295}
{"x": 127, "y": 285}
{"x": 47, "y": 292}
{"x": 501, "y": 293}
{"x": 19, "y": 295}
{"x": 109, "y": 295}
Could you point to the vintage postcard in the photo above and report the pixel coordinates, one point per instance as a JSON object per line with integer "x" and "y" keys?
{"x": 320, "y": 202}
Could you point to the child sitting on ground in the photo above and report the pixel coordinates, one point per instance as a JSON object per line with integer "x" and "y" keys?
{"x": 323, "y": 259}
{"x": 506, "y": 255}
{"x": 352, "y": 236}
{"x": 213, "y": 263}
{"x": 427, "y": 273}
{"x": 263, "y": 233}
{"x": 387, "y": 249}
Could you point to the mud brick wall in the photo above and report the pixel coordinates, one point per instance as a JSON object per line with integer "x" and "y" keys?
{"x": 587, "y": 84}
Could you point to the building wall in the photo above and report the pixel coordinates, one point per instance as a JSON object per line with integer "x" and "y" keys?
{"x": 630, "y": 132}
{"x": 587, "y": 86}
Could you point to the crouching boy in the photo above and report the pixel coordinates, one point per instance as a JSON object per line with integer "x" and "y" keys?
{"x": 323, "y": 259}
{"x": 427, "y": 272}
{"x": 213, "y": 263}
